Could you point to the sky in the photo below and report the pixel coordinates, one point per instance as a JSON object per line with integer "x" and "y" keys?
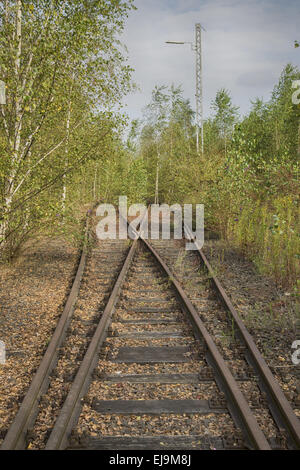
{"x": 246, "y": 45}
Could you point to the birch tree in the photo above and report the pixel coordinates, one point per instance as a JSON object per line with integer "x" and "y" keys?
{"x": 48, "y": 47}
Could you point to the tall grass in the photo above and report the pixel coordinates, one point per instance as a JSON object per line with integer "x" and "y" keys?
{"x": 269, "y": 233}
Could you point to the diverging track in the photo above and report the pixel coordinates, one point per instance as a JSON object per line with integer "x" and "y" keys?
{"x": 144, "y": 366}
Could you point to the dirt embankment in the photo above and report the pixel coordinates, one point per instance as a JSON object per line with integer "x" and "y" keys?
{"x": 33, "y": 290}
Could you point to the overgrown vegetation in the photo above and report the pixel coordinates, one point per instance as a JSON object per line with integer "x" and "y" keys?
{"x": 61, "y": 145}
{"x": 248, "y": 177}
{"x": 63, "y": 69}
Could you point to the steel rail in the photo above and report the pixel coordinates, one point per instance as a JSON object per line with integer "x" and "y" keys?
{"x": 280, "y": 407}
{"x": 15, "y": 438}
{"x": 255, "y": 436}
{"x": 71, "y": 408}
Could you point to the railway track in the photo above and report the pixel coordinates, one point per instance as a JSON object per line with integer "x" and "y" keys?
{"x": 155, "y": 361}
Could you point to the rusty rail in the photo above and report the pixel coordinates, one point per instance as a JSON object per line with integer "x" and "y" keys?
{"x": 25, "y": 417}
{"x": 279, "y": 405}
{"x": 71, "y": 408}
{"x": 240, "y": 408}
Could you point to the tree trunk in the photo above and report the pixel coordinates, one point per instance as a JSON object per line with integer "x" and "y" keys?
{"x": 64, "y": 193}
{"x": 95, "y": 183}
{"x": 277, "y": 137}
{"x": 156, "y": 177}
{"x": 298, "y": 139}
{"x": 10, "y": 181}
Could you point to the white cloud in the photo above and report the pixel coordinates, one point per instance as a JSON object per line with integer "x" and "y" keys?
{"x": 246, "y": 45}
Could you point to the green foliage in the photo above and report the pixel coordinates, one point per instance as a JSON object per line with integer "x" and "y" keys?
{"x": 167, "y": 144}
{"x": 225, "y": 113}
{"x": 64, "y": 68}
{"x": 269, "y": 233}
{"x": 248, "y": 177}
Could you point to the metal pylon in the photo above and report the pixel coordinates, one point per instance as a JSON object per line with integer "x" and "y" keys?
{"x": 199, "y": 85}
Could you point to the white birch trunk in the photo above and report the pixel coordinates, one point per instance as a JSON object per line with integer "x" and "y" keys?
{"x": 157, "y": 178}
{"x": 10, "y": 182}
{"x": 64, "y": 193}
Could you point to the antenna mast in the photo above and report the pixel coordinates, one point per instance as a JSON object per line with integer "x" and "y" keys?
{"x": 199, "y": 86}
